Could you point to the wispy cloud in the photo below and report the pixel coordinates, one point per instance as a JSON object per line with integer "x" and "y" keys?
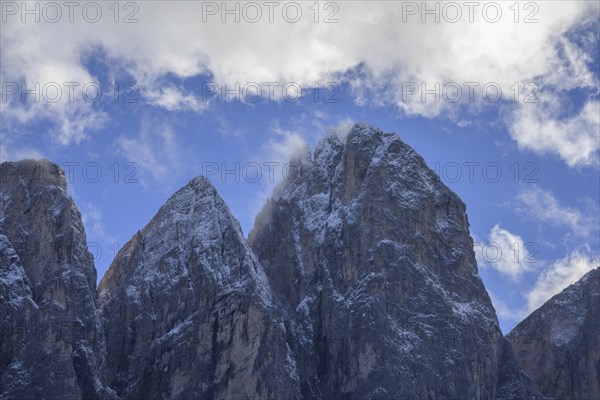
{"x": 173, "y": 98}
{"x": 92, "y": 219}
{"x": 541, "y": 205}
{"x": 155, "y": 150}
{"x": 9, "y": 153}
{"x": 580, "y": 226}
{"x": 556, "y": 276}
{"x": 101, "y": 244}
{"x": 154, "y": 53}
{"x": 504, "y": 252}
{"x": 560, "y": 274}
{"x": 285, "y": 145}
{"x": 277, "y": 151}
{"x": 575, "y": 138}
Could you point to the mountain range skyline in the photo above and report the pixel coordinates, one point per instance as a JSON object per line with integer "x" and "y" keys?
{"x": 367, "y": 238}
{"x": 336, "y": 175}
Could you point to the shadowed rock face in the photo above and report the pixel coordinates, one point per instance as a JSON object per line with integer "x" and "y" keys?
{"x": 558, "y": 345}
{"x": 371, "y": 258}
{"x": 189, "y": 312}
{"x": 51, "y": 342}
{"x": 360, "y": 283}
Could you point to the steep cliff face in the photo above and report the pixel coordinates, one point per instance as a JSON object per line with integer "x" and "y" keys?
{"x": 371, "y": 258}
{"x": 360, "y": 282}
{"x": 558, "y": 345}
{"x": 51, "y": 341}
{"x": 189, "y": 312}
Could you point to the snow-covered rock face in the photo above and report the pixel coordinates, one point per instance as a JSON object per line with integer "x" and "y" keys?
{"x": 51, "y": 342}
{"x": 360, "y": 282}
{"x": 189, "y": 311}
{"x": 371, "y": 258}
{"x": 557, "y": 345}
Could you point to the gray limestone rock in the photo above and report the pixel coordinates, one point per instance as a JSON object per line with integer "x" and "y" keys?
{"x": 558, "y": 345}
{"x": 189, "y": 312}
{"x": 370, "y": 255}
{"x": 51, "y": 341}
{"x": 359, "y": 281}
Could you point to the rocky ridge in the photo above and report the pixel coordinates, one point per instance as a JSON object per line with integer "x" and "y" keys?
{"x": 358, "y": 281}
{"x": 558, "y": 345}
{"x": 52, "y": 342}
{"x": 189, "y": 311}
{"x": 371, "y": 258}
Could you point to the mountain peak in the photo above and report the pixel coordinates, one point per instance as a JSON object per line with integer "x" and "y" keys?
{"x": 200, "y": 182}
{"x": 341, "y": 131}
{"x": 44, "y": 256}
{"x": 370, "y": 256}
{"x": 42, "y": 171}
{"x": 341, "y": 135}
{"x": 557, "y": 344}
{"x": 357, "y": 281}
{"x": 188, "y": 294}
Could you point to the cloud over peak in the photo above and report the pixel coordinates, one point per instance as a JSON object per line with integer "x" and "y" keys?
{"x": 443, "y": 62}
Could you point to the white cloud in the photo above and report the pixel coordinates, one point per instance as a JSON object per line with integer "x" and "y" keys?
{"x": 12, "y": 151}
{"x": 155, "y": 150}
{"x": 36, "y": 70}
{"x": 285, "y": 146}
{"x": 505, "y": 252}
{"x": 92, "y": 219}
{"x": 371, "y": 40}
{"x": 342, "y": 129}
{"x": 277, "y": 151}
{"x": 571, "y": 71}
{"x": 542, "y": 205}
{"x": 560, "y": 274}
{"x": 73, "y": 121}
{"x": 100, "y": 243}
{"x": 18, "y": 154}
{"x": 287, "y": 143}
{"x": 581, "y": 223}
{"x": 555, "y": 277}
{"x": 174, "y": 99}
{"x": 575, "y": 139}
{"x": 545, "y": 207}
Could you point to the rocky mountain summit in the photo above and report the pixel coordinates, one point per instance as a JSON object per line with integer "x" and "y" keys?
{"x": 358, "y": 281}
{"x": 189, "y": 312}
{"x": 370, "y": 256}
{"x": 558, "y": 345}
{"x": 51, "y": 340}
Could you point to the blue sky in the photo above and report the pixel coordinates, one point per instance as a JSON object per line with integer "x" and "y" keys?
{"x": 187, "y": 104}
